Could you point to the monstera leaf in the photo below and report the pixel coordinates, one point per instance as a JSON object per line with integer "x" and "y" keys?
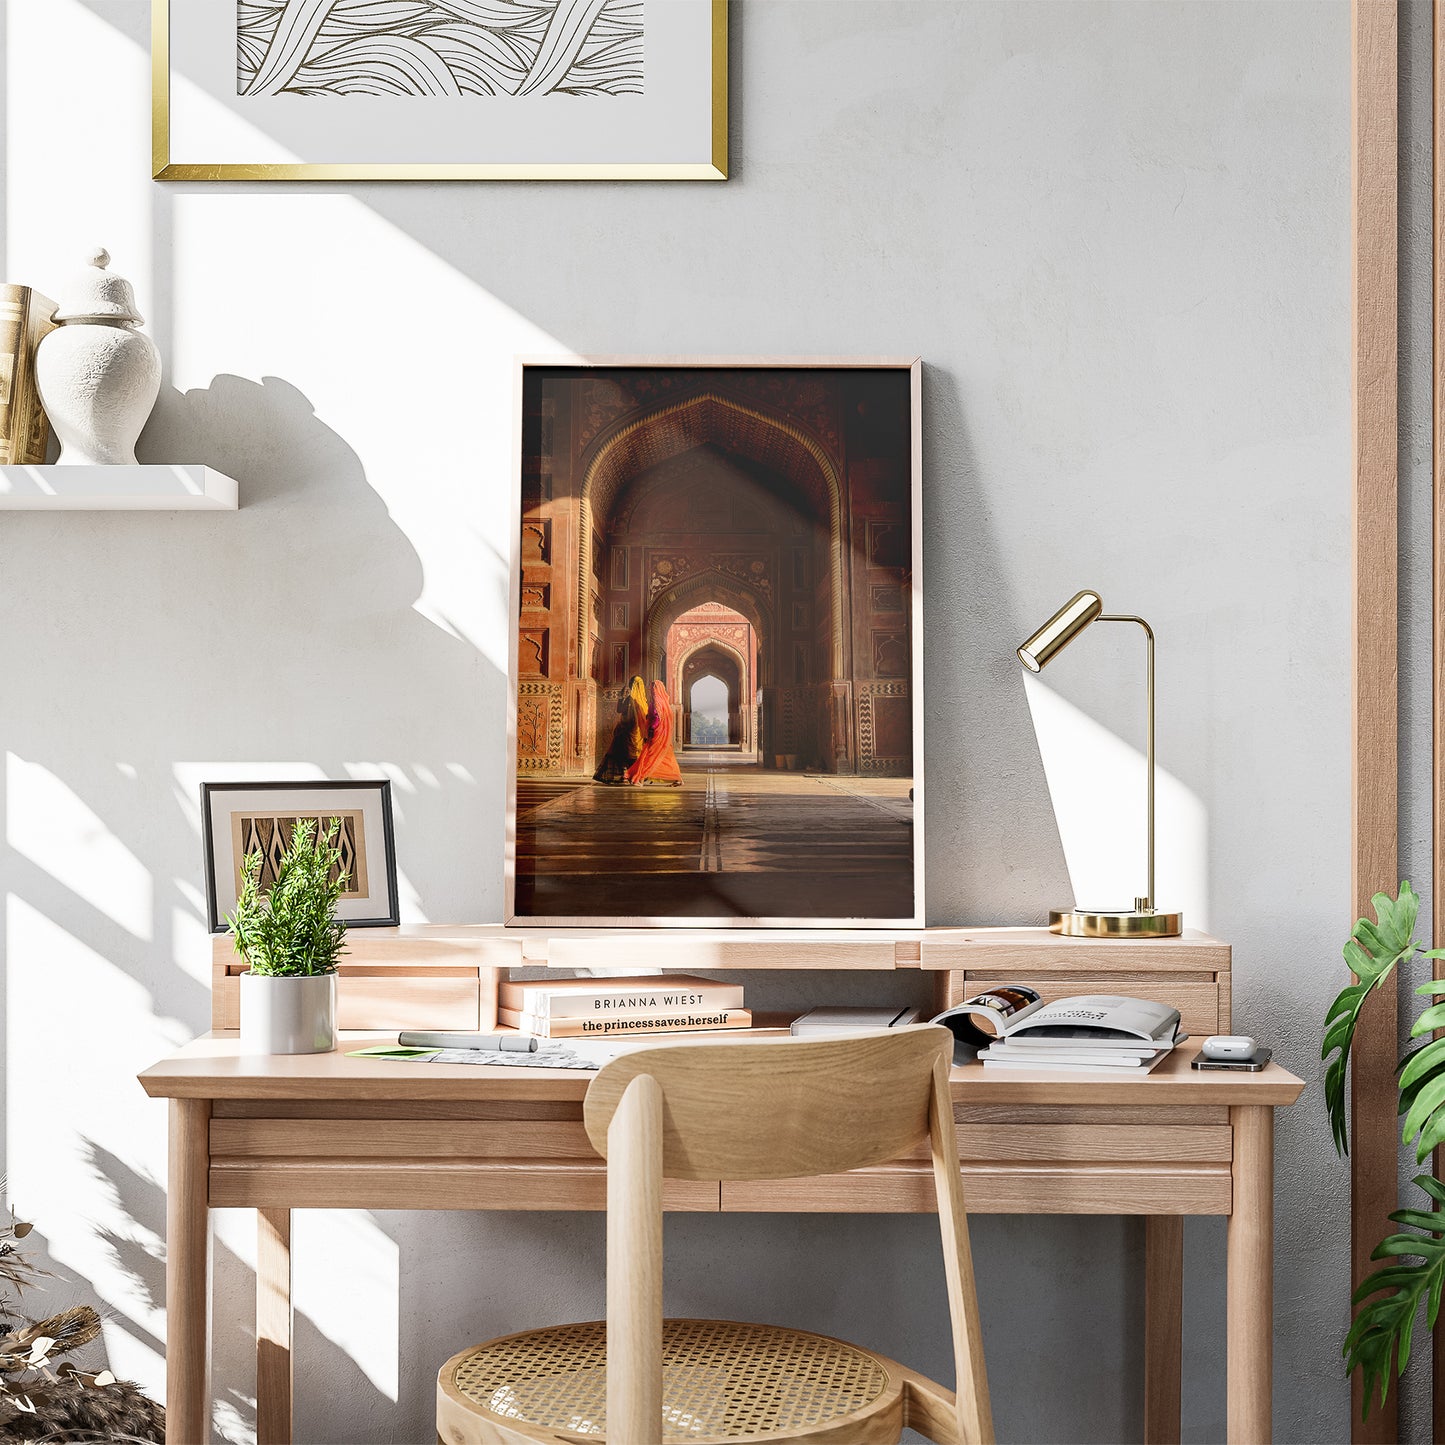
{"x": 1373, "y": 952}
{"x": 1422, "y": 1077}
{"x": 1384, "y": 1324}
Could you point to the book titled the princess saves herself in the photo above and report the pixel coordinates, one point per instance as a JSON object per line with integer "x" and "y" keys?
{"x": 613, "y": 1025}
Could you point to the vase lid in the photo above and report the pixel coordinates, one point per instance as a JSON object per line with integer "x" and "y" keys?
{"x": 95, "y": 295}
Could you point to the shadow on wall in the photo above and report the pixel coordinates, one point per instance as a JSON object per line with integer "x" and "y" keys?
{"x": 991, "y": 833}
{"x": 233, "y": 1337}
{"x": 168, "y": 642}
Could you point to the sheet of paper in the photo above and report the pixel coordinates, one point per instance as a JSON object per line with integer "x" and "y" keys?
{"x": 586, "y": 1055}
{"x": 550, "y": 1054}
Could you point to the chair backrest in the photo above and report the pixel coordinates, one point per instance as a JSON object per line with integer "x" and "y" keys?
{"x": 774, "y": 1109}
{"x": 764, "y": 1109}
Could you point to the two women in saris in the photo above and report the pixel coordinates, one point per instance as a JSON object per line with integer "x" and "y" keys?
{"x": 657, "y": 762}
{"x": 629, "y": 737}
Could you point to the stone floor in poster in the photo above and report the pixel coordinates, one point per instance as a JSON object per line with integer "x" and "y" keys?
{"x": 733, "y": 841}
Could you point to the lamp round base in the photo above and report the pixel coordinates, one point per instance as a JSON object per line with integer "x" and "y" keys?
{"x": 1075, "y": 923}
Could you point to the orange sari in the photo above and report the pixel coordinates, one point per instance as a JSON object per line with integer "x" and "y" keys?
{"x": 658, "y": 762}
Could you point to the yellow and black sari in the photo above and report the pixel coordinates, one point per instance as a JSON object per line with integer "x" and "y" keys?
{"x": 628, "y": 736}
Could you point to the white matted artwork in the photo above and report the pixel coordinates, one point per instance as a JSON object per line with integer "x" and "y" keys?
{"x": 439, "y": 89}
{"x": 242, "y": 818}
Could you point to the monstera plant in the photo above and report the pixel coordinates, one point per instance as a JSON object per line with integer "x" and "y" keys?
{"x": 1391, "y": 1296}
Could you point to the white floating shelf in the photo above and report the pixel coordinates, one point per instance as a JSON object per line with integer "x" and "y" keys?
{"x": 116, "y": 489}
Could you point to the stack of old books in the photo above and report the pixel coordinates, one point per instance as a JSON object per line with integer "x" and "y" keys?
{"x": 602, "y": 1008}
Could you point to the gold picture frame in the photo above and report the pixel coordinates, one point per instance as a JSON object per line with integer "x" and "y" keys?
{"x": 163, "y": 168}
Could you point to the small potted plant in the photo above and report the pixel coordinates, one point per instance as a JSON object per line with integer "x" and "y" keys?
{"x": 291, "y": 940}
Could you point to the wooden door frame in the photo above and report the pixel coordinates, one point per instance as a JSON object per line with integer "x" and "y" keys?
{"x": 1437, "y": 647}
{"x": 1374, "y": 788}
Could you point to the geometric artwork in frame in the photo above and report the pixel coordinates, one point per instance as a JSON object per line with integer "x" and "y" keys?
{"x": 716, "y": 681}
{"x": 238, "y": 819}
{"x": 349, "y": 90}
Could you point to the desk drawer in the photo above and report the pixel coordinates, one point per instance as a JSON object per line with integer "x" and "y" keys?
{"x": 995, "y": 1135}
{"x": 382, "y": 1154}
{"x": 401, "y": 1139}
{"x": 1038, "y": 1159}
{"x": 907, "y": 1188}
{"x": 1101, "y": 1143}
{"x": 434, "y": 1184}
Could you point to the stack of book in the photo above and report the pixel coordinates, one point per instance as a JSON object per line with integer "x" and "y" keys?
{"x": 1094, "y": 1033}
{"x": 600, "y": 1008}
{"x": 25, "y": 317}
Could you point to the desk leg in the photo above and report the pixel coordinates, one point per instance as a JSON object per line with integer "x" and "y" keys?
{"x": 1163, "y": 1326}
{"x": 1251, "y": 1277}
{"x": 188, "y": 1275}
{"x": 273, "y": 1327}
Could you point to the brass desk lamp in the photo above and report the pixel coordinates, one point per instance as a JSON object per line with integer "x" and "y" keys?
{"x": 1142, "y": 921}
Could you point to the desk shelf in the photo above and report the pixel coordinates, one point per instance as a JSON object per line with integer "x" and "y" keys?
{"x": 446, "y": 976}
{"x": 179, "y": 488}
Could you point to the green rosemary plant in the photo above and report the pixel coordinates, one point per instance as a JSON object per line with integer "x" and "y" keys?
{"x": 293, "y": 929}
{"x": 1391, "y": 1296}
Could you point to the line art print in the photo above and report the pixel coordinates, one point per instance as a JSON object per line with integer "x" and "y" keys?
{"x": 514, "y": 48}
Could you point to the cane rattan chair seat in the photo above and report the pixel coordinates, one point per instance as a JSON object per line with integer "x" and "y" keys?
{"x": 721, "y": 1381}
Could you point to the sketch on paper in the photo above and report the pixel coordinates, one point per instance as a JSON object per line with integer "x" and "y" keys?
{"x": 439, "y": 47}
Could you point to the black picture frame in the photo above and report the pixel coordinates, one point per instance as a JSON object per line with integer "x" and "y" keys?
{"x": 382, "y": 786}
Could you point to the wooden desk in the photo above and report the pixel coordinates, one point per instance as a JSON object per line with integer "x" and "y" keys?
{"x": 324, "y": 1131}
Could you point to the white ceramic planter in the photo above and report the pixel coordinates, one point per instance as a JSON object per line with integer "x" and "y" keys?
{"x": 288, "y": 1015}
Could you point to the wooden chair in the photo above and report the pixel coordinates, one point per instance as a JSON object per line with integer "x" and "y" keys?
{"x": 745, "y": 1110}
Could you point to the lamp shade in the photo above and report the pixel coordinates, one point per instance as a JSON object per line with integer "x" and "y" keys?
{"x": 1060, "y": 630}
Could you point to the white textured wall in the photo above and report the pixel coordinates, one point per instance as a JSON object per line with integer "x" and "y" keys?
{"x": 1118, "y": 235}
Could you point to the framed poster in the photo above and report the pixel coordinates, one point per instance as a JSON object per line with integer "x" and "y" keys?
{"x": 716, "y": 702}
{"x": 242, "y": 818}
{"x": 349, "y": 90}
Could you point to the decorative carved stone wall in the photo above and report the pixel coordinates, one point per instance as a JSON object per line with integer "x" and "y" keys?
{"x": 785, "y": 495}
{"x": 540, "y": 727}
{"x": 668, "y": 570}
{"x": 885, "y": 729}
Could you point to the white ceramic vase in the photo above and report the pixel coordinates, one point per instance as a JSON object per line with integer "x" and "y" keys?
{"x": 97, "y": 376}
{"x": 295, "y": 1015}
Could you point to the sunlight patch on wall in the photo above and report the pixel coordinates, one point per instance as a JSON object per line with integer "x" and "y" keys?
{"x": 1096, "y": 785}
{"x": 72, "y": 184}
{"x": 346, "y": 282}
{"x": 190, "y": 938}
{"x": 362, "y": 1318}
{"x": 48, "y": 824}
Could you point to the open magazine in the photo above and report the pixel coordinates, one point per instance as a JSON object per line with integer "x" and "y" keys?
{"x": 1014, "y": 1027}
